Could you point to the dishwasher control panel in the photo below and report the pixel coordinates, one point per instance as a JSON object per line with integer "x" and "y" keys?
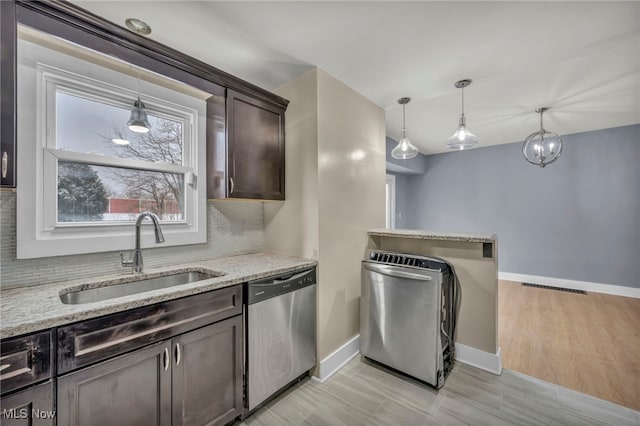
{"x": 402, "y": 259}
{"x": 267, "y": 288}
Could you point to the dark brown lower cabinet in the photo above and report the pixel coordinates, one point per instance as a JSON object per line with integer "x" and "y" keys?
{"x": 133, "y": 389}
{"x": 192, "y": 379}
{"x": 207, "y": 380}
{"x": 32, "y": 406}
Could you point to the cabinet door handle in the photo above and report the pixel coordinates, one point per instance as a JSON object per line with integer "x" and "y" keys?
{"x": 5, "y": 163}
{"x": 178, "y": 354}
{"x": 166, "y": 359}
{"x": 230, "y": 185}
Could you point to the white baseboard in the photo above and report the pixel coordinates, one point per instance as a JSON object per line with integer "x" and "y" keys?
{"x": 617, "y": 290}
{"x": 479, "y": 359}
{"x": 337, "y": 359}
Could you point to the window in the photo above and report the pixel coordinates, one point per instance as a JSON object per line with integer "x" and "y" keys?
{"x": 390, "y": 191}
{"x": 93, "y": 176}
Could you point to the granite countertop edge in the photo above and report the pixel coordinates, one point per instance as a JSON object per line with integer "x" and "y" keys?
{"x": 434, "y": 235}
{"x": 26, "y": 310}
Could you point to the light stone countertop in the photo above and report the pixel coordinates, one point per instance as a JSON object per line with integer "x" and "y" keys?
{"x": 28, "y": 309}
{"x": 433, "y": 235}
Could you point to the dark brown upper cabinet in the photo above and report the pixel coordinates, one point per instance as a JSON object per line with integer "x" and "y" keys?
{"x": 73, "y": 23}
{"x": 254, "y": 166}
{"x": 7, "y": 94}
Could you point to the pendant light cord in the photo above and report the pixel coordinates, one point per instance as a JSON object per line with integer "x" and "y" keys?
{"x": 404, "y": 126}
{"x": 462, "y": 101}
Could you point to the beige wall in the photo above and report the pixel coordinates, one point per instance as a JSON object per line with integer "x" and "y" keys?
{"x": 291, "y": 227}
{"x": 351, "y": 193}
{"x": 334, "y": 194}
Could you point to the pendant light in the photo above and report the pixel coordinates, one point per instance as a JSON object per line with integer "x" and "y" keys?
{"x": 138, "y": 122}
{"x": 462, "y": 138}
{"x": 405, "y": 148}
{"x": 542, "y": 147}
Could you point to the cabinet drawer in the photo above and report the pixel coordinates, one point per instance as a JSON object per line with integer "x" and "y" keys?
{"x": 94, "y": 340}
{"x": 25, "y": 360}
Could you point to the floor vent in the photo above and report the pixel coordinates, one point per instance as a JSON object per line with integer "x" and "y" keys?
{"x": 547, "y": 287}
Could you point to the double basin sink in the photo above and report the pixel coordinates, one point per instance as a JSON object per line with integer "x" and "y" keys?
{"x": 132, "y": 285}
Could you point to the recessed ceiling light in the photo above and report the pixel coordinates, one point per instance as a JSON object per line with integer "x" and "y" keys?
{"x": 138, "y": 26}
{"x": 119, "y": 141}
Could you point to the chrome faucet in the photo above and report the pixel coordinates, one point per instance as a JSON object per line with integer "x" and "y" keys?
{"x": 136, "y": 263}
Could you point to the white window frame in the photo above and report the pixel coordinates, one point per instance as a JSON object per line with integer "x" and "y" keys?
{"x": 38, "y": 232}
{"x": 390, "y": 211}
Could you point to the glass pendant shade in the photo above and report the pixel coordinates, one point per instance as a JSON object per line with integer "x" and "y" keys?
{"x": 542, "y": 147}
{"x": 405, "y": 149}
{"x": 138, "y": 121}
{"x": 462, "y": 137}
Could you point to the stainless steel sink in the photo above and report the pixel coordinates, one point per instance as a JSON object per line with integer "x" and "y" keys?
{"x": 133, "y": 286}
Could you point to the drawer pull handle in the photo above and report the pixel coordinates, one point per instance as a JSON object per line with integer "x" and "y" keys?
{"x": 166, "y": 359}
{"x": 231, "y": 185}
{"x": 83, "y": 350}
{"x": 5, "y": 163}
{"x": 178, "y": 354}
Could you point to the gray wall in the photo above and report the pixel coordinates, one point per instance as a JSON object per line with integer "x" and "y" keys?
{"x": 411, "y": 166}
{"x": 402, "y": 170}
{"x": 233, "y": 227}
{"x": 402, "y": 180}
{"x": 577, "y": 219}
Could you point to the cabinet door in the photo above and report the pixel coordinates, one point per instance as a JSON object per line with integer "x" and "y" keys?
{"x": 207, "y": 374}
{"x": 32, "y": 406}
{"x": 7, "y": 88}
{"x": 255, "y": 148}
{"x": 133, "y": 389}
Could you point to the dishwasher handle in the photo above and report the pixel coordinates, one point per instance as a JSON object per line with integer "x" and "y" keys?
{"x": 267, "y": 288}
{"x": 279, "y": 280}
{"x": 395, "y": 272}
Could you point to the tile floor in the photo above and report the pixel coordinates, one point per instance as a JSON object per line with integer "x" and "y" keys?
{"x": 362, "y": 393}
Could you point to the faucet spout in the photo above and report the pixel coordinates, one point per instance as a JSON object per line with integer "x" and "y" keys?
{"x": 156, "y": 227}
{"x": 137, "y": 263}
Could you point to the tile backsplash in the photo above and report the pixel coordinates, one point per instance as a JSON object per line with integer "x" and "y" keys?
{"x": 233, "y": 227}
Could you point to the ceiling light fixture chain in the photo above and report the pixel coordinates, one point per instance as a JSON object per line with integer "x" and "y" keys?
{"x": 462, "y": 138}
{"x": 405, "y": 149}
{"x": 542, "y": 147}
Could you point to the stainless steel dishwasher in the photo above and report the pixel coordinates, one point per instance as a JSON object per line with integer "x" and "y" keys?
{"x": 281, "y": 333}
{"x": 407, "y": 314}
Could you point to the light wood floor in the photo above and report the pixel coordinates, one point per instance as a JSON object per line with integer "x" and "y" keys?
{"x": 587, "y": 343}
{"x": 365, "y": 394}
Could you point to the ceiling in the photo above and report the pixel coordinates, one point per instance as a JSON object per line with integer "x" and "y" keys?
{"x": 580, "y": 58}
